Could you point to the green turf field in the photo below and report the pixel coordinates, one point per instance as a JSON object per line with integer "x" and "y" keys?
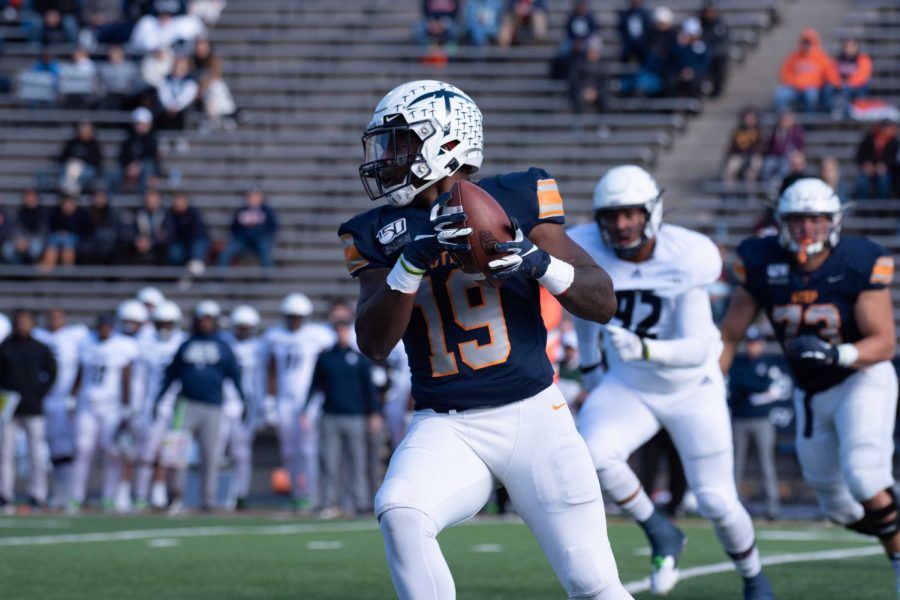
{"x": 99, "y": 558}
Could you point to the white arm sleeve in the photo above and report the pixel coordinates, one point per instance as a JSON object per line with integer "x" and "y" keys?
{"x": 694, "y": 330}
{"x": 588, "y": 333}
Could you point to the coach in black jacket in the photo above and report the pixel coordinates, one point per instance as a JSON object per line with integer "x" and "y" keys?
{"x": 27, "y": 370}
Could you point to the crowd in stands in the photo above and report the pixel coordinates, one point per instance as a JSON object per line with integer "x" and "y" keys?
{"x": 814, "y": 82}
{"x": 91, "y": 229}
{"x": 128, "y": 54}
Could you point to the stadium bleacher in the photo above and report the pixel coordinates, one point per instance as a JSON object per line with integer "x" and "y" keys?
{"x": 307, "y": 75}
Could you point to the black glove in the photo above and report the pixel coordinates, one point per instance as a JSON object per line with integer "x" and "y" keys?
{"x": 811, "y": 351}
{"x": 524, "y": 259}
{"x": 442, "y": 233}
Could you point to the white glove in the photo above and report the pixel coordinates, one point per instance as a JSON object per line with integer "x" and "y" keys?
{"x": 627, "y": 345}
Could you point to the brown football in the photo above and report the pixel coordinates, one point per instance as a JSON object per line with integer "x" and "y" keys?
{"x": 490, "y": 224}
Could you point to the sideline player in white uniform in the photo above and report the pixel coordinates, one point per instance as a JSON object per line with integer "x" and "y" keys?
{"x": 293, "y": 349}
{"x": 828, "y": 298}
{"x": 150, "y": 297}
{"x": 102, "y": 391}
{"x": 156, "y": 354}
{"x": 59, "y": 406}
{"x": 237, "y": 434}
{"x": 5, "y": 327}
{"x": 662, "y": 350}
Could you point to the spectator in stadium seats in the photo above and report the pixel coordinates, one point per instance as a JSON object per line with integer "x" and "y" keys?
{"x": 165, "y": 28}
{"x": 635, "y": 26}
{"x": 47, "y": 63}
{"x": 786, "y": 136}
{"x": 520, "y": 16}
{"x": 29, "y": 233}
{"x": 588, "y": 79}
{"x": 876, "y": 157}
{"x": 482, "y": 21}
{"x": 850, "y": 77}
{"x": 744, "y": 159}
{"x": 716, "y": 36}
{"x": 81, "y": 159}
{"x": 106, "y": 22}
{"x": 78, "y": 80}
{"x": 654, "y": 77}
{"x": 350, "y": 410}
{"x": 6, "y": 226}
{"x": 176, "y": 95}
{"x": 691, "y": 60}
{"x": 213, "y": 92}
{"x": 830, "y": 173}
{"x": 581, "y": 25}
{"x": 156, "y": 66}
{"x": 101, "y": 239}
{"x": 757, "y": 384}
{"x": 53, "y": 22}
{"x": 67, "y": 225}
{"x": 139, "y": 154}
{"x": 28, "y": 369}
{"x": 252, "y": 230}
{"x": 803, "y": 74}
{"x": 186, "y": 235}
{"x": 119, "y": 79}
{"x": 438, "y": 26}
{"x": 207, "y": 11}
{"x": 148, "y": 230}
{"x": 797, "y": 169}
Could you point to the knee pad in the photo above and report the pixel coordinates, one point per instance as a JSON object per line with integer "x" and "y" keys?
{"x": 715, "y": 505}
{"x": 394, "y": 493}
{"x": 403, "y": 523}
{"x": 837, "y": 503}
{"x": 883, "y": 523}
{"x": 583, "y": 573}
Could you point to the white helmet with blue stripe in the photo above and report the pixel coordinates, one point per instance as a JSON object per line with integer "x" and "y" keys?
{"x": 421, "y": 132}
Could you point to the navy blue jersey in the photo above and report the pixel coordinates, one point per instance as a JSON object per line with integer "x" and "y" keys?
{"x": 819, "y": 302}
{"x": 468, "y": 345}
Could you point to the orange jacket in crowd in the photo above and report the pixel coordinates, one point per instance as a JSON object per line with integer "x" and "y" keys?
{"x": 851, "y": 73}
{"x": 808, "y": 67}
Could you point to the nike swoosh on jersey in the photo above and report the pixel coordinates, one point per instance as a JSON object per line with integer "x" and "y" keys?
{"x": 559, "y": 406}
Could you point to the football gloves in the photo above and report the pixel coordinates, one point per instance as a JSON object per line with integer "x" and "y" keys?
{"x": 524, "y": 257}
{"x": 627, "y": 345}
{"x": 441, "y": 234}
{"x": 811, "y": 351}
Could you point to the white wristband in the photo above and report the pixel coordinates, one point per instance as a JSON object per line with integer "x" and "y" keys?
{"x": 404, "y": 277}
{"x": 847, "y": 354}
{"x": 558, "y": 277}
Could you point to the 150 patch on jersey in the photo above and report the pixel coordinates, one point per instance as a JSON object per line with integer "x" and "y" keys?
{"x": 393, "y": 235}
{"x": 778, "y": 273}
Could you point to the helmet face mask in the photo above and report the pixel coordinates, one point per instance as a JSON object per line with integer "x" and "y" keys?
{"x": 393, "y": 158}
{"x": 420, "y": 133}
{"x": 627, "y": 191}
{"x": 622, "y": 230}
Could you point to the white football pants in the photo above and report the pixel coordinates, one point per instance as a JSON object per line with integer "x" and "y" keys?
{"x": 95, "y": 428}
{"x": 616, "y": 420}
{"x": 446, "y": 468}
{"x": 847, "y": 459}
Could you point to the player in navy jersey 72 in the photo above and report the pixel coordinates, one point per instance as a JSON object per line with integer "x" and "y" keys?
{"x": 829, "y": 302}
{"x": 487, "y": 412}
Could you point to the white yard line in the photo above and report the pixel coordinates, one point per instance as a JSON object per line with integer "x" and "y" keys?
{"x": 643, "y": 585}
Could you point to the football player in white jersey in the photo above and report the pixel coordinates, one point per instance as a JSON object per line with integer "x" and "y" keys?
{"x": 102, "y": 390}
{"x": 293, "y": 349}
{"x": 5, "y": 326}
{"x": 156, "y": 354}
{"x": 59, "y": 406}
{"x": 662, "y": 350}
{"x": 237, "y": 434}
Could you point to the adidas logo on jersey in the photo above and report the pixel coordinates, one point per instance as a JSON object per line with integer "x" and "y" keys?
{"x": 636, "y": 274}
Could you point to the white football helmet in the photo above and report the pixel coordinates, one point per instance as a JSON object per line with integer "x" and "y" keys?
{"x": 166, "y": 312}
{"x": 625, "y": 186}
{"x": 132, "y": 310}
{"x": 207, "y": 308}
{"x": 244, "y": 315}
{"x": 435, "y": 115}
{"x": 296, "y": 305}
{"x": 151, "y": 296}
{"x": 809, "y": 196}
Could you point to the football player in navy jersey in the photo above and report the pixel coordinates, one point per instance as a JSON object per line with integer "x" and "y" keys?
{"x": 487, "y": 412}
{"x": 829, "y": 301}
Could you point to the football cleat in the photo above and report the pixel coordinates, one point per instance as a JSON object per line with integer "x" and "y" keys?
{"x": 758, "y": 588}
{"x": 664, "y": 575}
{"x": 667, "y": 542}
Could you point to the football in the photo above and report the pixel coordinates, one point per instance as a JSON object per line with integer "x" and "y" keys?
{"x": 490, "y": 224}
